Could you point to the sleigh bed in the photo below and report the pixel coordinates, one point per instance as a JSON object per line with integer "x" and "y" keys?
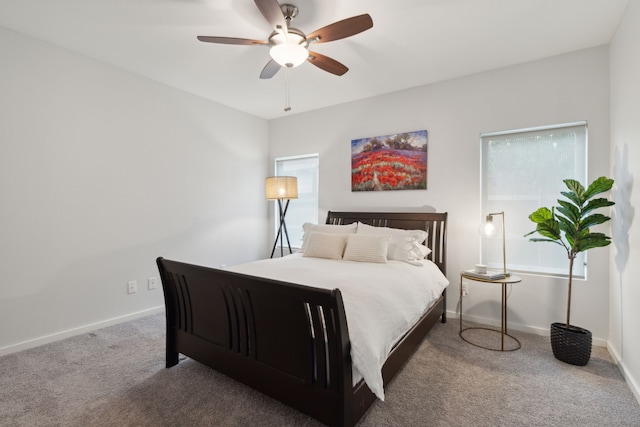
{"x": 288, "y": 340}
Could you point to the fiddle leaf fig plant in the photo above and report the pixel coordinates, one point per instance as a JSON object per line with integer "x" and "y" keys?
{"x": 569, "y": 224}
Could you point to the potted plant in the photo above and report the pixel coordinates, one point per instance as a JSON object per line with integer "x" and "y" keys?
{"x": 568, "y": 225}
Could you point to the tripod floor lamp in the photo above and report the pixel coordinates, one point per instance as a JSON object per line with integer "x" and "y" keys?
{"x": 281, "y": 188}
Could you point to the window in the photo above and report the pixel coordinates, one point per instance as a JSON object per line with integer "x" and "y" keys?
{"x": 305, "y": 207}
{"x": 523, "y": 170}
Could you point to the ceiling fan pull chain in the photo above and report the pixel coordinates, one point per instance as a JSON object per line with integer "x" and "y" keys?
{"x": 287, "y": 94}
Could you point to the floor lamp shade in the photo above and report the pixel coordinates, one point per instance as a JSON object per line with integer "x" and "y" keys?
{"x": 281, "y": 187}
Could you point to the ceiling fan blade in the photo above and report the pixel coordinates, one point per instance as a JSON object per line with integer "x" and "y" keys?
{"x": 327, "y": 64}
{"x": 342, "y": 29}
{"x": 270, "y": 70}
{"x": 230, "y": 40}
{"x": 271, "y": 11}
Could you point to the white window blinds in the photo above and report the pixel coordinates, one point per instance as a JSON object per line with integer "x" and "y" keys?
{"x": 521, "y": 171}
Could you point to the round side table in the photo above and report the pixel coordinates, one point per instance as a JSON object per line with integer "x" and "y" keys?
{"x": 503, "y": 328}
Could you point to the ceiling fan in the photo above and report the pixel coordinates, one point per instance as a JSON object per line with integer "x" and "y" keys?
{"x": 289, "y": 45}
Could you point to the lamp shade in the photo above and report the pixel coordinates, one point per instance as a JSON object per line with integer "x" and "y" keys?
{"x": 281, "y": 187}
{"x": 488, "y": 228}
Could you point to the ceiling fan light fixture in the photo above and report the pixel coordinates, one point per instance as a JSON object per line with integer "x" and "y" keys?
{"x": 289, "y": 54}
{"x": 289, "y": 45}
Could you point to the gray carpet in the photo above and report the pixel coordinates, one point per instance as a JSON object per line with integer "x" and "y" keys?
{"x": 116, "y": 377}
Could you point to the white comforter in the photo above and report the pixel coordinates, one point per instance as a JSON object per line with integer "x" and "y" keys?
{"x": 382, "y": 301}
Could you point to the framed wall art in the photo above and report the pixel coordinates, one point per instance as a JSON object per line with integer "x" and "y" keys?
{"x": 390, "y": 162}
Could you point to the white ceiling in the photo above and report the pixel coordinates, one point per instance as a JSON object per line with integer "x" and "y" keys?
{"x": 412, "y": 42}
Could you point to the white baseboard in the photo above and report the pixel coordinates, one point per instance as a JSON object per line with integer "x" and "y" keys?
{"x": 77, "y": 331}
{"x": 599, "y": 342}
{"x": 631, "y": 382}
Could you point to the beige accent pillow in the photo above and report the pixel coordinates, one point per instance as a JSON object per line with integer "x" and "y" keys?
{"x": 325, "y": 245}
{"x": 367, "y": 248}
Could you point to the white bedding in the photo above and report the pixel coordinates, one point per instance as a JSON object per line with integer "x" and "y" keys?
{"x": 382, "y": 301}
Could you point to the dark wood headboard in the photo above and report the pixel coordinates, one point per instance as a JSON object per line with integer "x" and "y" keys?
{"x": 435, "y": 224}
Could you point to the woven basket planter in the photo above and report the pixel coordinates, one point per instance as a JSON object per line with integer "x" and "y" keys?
{"x": 571, "y": 345}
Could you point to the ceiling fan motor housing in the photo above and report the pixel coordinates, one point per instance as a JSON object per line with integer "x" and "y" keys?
{"x": 293, "y": 36}
{"x": 289, "y": 11}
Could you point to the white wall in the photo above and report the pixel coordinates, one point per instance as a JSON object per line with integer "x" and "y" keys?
{"x": 561, "y": 89}
{"x": 624, "y": 340}
{"x": 101, "y": 172}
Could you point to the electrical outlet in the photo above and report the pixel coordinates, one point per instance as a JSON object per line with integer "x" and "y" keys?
{"x": 152, "y": 283}
{"x": 465, "y": 289}
{"x": 132, "y": 287}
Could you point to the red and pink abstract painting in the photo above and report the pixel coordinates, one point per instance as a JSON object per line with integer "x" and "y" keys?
{"x": 390, "y": 162}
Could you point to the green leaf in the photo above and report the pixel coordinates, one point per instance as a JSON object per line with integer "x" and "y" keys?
{"x": 569, "y": 210}
{"x": 567, "y": 227}
{"x": 570, "y": 240}
{"x": 600, "y": 185}
{"x": 595, "y": 204}
{"x": 537, "y": 239}
{"x": 573, "y": 197}
{"x": 541, "y": 215}
{"x": 549, "y": 229}
{"x": 583, "y": 233}
{"x": 577, "y": 189}
{"x": 592, "y": 220}
{"x": 547, "y": 225}
{"x": 593, "y": 240}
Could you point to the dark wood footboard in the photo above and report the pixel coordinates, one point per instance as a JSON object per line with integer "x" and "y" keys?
{"x": 288, "y": 341}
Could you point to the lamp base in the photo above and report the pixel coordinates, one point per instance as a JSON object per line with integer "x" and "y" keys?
{"x": 282, "y": 230}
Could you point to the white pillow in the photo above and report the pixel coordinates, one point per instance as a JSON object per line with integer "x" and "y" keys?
{"x": 308, "y": 227}
{"x": 367, "y": 248}
{"x": 325, "y": 245}
{"x": 401, "y": 247}
{"x": 419, "y": 251}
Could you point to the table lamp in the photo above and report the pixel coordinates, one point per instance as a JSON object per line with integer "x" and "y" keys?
{"x": 489, "y": 229}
